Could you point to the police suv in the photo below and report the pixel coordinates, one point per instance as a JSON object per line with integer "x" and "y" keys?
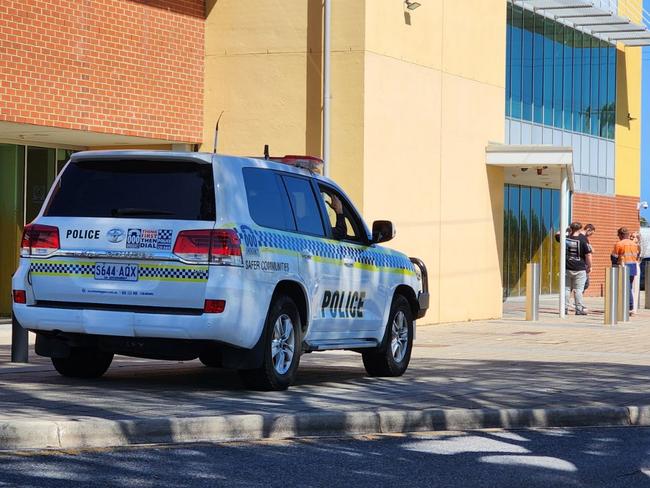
{"x": 244, "y": 263}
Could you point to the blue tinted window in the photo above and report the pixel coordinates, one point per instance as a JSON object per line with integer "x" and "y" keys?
{"x": 527, "y": 87}
{"x": 516, "y": 72}
{"x": 268, "y": 202}
{"x": 603, "y": 89}
{"x": 548, "y": 70}
{"x": 305, "y": 209}
{"x": 595, "y": 64}
{"x": 538, "y": 70}
{"x": 567, "y": 94}
{"x": 557, "y": 85}
{"x": 586, "y": 85}
{"x": 508, "y": 54}
{"x": 578, "y": 39}
{"x": 611, "y": 91}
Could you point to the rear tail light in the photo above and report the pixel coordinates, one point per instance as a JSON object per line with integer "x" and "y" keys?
{"x": 39, "y": 240}
{"x": 20, "y": 296}
{"x": 214, "y": 306}
{"x": 219, "y": 246}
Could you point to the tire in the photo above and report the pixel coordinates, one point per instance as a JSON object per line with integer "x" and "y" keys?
{"x": 83, "y": 362}
{"x": 393, "y": 356}
{"x": 211, "y": 359}
{"x": 282, "y": 339}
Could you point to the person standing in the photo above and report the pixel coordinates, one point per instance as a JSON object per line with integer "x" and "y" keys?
{"x": 636, "y": 284}
{"x": 578, "y": 265}
{"x": 587, "y": 231}
{"x": 626, "y": 253}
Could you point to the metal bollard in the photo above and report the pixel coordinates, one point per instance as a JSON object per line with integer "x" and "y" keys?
{"x": 623, "y": 314}
{"x": 611, "y": 296}
{"x": 532, "y": 291}
{"x": 19, "y": 342}
{"x": 647, "y": 285}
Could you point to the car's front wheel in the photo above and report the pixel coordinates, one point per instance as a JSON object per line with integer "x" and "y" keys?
{"x": 281, "y": 346}
{"x": 84, "y": 362}
{"x": 393, "y": 356}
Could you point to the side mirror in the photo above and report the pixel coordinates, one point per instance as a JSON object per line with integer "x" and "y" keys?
{"x": 382, "y": 231}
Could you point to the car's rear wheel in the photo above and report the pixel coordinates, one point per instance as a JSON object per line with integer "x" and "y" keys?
{"x": 393, "y": 356}
{"x": 84, "y": 362}
{"x": 281, "y": 346}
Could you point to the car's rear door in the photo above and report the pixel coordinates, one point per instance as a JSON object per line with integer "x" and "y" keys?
{"x": 118, "y": 220}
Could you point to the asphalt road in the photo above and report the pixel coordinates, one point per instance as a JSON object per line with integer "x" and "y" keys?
{"x": 606, "y": 457}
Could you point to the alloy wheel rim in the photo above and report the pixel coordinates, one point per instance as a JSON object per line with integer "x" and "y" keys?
{"x": 283, "y": 344}
{"x": 399, "y": 336}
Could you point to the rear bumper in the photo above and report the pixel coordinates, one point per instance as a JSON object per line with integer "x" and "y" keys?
{"x": 213, "y": 327}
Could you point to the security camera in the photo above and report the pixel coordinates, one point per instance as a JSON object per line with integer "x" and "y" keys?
{"x": 642, "y": 205}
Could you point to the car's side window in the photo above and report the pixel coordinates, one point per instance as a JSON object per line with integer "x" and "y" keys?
{"x": 268, "y": 202}
{"x": 305, "y": 207}
{"x": 342, "y": 219}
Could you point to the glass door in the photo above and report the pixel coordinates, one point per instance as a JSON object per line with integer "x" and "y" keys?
{"x": 40, "y": 172}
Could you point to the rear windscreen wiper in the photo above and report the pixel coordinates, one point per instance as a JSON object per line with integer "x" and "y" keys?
{"x": 116, "y": 212}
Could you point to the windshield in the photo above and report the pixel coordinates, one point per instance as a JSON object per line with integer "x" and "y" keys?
{"x": 163, "y": 189}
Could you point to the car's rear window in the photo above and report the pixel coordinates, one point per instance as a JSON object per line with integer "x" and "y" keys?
{"x": 164, "y": 189}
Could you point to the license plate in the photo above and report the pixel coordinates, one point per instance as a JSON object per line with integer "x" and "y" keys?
{"x": 116, "y": 271}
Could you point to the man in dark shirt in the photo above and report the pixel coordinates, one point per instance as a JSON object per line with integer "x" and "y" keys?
{"x": 578, "y": 265}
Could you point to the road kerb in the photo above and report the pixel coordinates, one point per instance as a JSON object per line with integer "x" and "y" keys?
{"x": 89, "y": 433}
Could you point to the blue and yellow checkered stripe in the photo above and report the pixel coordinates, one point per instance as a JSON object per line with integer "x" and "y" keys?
{"x": 151, "y": 272}
{"x": 327, "y": 250}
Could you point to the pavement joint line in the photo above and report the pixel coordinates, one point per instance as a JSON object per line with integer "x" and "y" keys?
{"x": 24, "y": 434}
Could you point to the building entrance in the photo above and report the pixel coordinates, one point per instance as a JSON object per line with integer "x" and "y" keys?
{"x": 26, "y": 174}
{"x": 531, "y": 218}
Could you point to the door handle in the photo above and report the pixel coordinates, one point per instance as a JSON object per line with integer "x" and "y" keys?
{"x": 306, "y": 254}
{"x": 348, "y": 262}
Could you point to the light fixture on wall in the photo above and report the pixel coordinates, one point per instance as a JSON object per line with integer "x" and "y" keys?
{"x": 411, "y": 5}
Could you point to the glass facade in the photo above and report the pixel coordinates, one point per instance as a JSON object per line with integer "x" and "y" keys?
{"x": 558, "y": 76}
{"x": 531, "y": 218}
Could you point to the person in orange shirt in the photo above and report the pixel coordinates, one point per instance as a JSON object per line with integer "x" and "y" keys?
{"x": 626, "y": 253}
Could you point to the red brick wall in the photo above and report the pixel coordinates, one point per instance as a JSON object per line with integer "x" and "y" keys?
{"x": 607, "y": 214}
{"x": 131, "y": 67}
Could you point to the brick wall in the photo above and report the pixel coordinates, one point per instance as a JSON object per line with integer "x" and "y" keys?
{"x": 130, "y": 67}
{"x": 607, "y": 214}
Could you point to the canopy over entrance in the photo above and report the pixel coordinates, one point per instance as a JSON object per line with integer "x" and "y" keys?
{"x": 540, "y": 166}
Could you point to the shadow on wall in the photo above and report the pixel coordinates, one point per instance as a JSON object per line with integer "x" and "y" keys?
{"x": 314, "y": 79}
{"x": 622, "y": 104}
{"x": 192, "y": 8}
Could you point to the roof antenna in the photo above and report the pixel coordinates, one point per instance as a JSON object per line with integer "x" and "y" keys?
{"x": 266, "y": 151}
{"x": 216, "y": 133}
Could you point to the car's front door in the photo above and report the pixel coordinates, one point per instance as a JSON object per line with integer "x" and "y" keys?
{"x": 352, "y": 296}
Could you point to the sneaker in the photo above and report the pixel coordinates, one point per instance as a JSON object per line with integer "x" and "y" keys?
{"x": 581, "y": 312}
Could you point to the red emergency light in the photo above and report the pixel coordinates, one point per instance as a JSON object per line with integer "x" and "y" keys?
{"x": 310, "y": 163}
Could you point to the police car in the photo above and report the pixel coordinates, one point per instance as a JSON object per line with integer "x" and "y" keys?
{"x": 244, "y": 263}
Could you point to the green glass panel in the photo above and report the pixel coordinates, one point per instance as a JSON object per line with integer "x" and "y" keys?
{"x": 12, "y": 164}
{"x": 41, "y": 170}
{"x": 513, "y": 238}
{"x": 547, "y": 242}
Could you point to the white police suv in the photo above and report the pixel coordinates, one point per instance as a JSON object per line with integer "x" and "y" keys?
{"x": 244, "y": 263}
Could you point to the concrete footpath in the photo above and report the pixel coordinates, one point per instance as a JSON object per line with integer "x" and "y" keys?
{"x": 500, "y": 373}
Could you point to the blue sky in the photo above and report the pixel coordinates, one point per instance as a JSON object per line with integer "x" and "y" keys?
{"x": 645, "y": 125}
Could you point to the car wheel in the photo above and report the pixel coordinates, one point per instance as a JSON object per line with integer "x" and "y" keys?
{"x": 83, "y": 362}
{"x": 281, "y": 345}
{"x": 393, "y": 356}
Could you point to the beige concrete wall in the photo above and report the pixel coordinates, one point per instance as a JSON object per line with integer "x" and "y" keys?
{"x": 434, "y": 90}
{"x": 628, "y": 101}
{"x": 263, "y": 69}
{"x": 416, "y": 97}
